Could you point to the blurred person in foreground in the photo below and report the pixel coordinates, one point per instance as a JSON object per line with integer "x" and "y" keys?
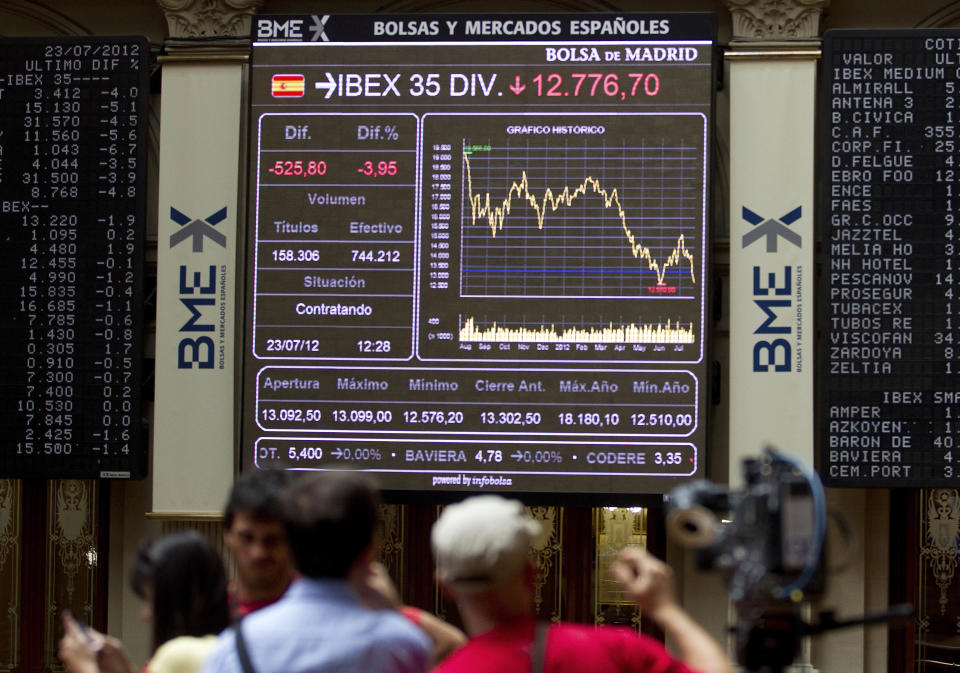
{"x": 482, "y": 548}
{"x": 254, "y": 532}
{"x": 319, "y": 624}
{"x": 182, "y": 583}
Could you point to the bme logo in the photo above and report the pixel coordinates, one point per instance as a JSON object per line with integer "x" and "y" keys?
{"x": 197, "y": 288}
{"x": 292, "y": 29}
{"x": 771, "y": 294}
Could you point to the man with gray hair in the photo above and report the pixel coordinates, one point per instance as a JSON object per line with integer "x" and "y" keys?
{"x": 482, "y": 548}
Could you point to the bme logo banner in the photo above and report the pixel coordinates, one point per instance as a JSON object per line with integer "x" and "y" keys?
{"x": 772, "y": 147}
{"x": 202, "y": 291}
{"x": 777, "y": 292}
{"x": 194, "y": 439}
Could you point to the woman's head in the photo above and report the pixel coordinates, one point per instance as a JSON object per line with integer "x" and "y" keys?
{"x": 181, "y": 576}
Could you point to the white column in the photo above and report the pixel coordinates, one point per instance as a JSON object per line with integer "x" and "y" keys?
{"x": 772, "y": 280}
{"x": 773, "y": 86}
{"x": 200, "y": 222}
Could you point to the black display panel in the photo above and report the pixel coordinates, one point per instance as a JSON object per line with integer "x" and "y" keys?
{"x": 477, "y": 254}
{"x": 72, "y": 209}
{"x": 890, "y": 205}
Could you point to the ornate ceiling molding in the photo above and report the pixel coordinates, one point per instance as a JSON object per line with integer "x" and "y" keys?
{"x": 57, "y": 22}
{"x": 947, "y": 16}
{"x": 776, "y": 19}
{"x": 413, "y": 6}
{"x": 209, "y": 19}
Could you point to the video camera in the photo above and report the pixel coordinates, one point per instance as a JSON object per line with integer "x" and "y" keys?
{"x": 768, "y": 542}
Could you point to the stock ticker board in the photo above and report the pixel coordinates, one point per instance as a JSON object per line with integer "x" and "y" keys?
{"x": 890, "y": 398}
{"x": 72, "y": 208}
{"x": 478, "y": 250}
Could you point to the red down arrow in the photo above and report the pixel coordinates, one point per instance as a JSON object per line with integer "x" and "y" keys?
{"x": 517, "y": 87}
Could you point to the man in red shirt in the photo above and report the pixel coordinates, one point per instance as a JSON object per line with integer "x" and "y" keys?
{"x": 482, "y": 550}
{"x": 254, "y": 532}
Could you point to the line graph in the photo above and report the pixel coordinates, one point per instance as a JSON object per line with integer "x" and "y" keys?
{"x": 583, "y": 217}
{"x": 580, "y": 236}
{"x": 481, "y": 208}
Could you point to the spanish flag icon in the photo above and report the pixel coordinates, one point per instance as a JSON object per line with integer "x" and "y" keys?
{"x": 282, "y": 86}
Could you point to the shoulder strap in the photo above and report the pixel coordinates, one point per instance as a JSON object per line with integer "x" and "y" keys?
{"x": 539, "y": 647}
{"x": 242, "y": 652}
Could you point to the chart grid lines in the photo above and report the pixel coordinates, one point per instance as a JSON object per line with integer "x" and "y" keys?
{"x": 582, "y": 230}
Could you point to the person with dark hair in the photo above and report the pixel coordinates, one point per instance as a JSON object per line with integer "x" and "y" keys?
{"x": 320, "y": 624}
{"x": 334, "y": 506}
{"x": 254, "y": 533}
{"x": 181, "y": 580}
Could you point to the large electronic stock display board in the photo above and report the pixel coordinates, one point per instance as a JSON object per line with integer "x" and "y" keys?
{"x": 890, "y": 346}
{"x": 477, "y": 257}
{"x": 73, "y": 115}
